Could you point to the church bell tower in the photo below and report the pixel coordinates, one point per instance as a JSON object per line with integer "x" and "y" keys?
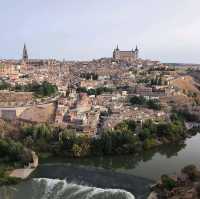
{"x": 25, "y": 54}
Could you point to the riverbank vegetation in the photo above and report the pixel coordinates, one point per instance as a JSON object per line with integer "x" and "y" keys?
{"x": 12, "y": 155}
{"x": 184, "y": 185}
{"x": 126, "y": 138}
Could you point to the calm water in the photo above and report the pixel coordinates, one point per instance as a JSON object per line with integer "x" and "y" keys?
{"x": 152, "y": 164}
{"x": 111, "y": 175}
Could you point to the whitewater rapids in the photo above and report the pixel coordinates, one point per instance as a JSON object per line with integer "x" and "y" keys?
{"x": 44, "y": 188}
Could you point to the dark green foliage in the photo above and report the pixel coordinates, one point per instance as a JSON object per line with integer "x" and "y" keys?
{"x": 156, "y": 81}
{"x": 4, "y": 85}
{"x": 97, "y": 91}
{"x": 126, "y": 125}
{"x": 123, "y": 139}
{"x": 167, "y": 182}
{"x": 115, "y": 142}
{"x": 44, "y": 89}
{"x": 145, "y": 134}
{"x": 149, "y": 143}
{"x": 171, "y": 131}
{"x": 184, "y": 115}
{"x": 142, "y": 101}
{"x": 89, "y": 76}
{"x": 137, "y": 100}
{"x": 11, "y": 151}
{"x": 153, "y": 104}
{"x": 68, "y": 142}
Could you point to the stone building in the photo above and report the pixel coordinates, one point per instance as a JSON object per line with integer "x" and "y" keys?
{"x": 126, "y": 56}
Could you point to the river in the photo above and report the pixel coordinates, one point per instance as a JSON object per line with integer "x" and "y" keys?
{"x": 120, "y": 177}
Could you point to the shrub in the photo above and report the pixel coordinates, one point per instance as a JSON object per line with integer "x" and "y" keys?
{"x": 191, "y": 171}
{"x": 167, "y": 182}
{"x": 149, "y": 143}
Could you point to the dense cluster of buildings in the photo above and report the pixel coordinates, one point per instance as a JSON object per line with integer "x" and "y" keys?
{"x": 93, "y": 95}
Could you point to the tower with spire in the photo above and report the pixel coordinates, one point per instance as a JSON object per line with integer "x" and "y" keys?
{"x": 137, "y": 52}
{"x": 25, "y": 54}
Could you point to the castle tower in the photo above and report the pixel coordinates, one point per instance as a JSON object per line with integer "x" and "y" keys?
{"x": 25, "y": 54}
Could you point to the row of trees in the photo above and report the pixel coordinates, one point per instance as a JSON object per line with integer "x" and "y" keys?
{"x": 46, "y": 138}
{"x": 155, "y": 81}
{"x": 125, "y": 138}
{"x": 97, "y": 91}
{"x": 184, "y": 115}
{"x": 4, "y": 85}
{"x": 43, "y": 89}
{"x": 142, "y": 101}
{"x": 158, "y": 81}
{"x": 151, "y": 132}
{"x": 14, "y": 152}
{"x": 89, "y": 76}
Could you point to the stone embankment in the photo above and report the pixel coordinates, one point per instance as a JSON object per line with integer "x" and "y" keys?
{"x": 25, "y": 172}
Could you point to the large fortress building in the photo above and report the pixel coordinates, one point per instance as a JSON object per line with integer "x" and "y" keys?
{"x": 126, "y": 56}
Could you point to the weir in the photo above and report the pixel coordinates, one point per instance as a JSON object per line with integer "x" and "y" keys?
{"x": 60, "y": 189}
{"x": 105, "y": 179}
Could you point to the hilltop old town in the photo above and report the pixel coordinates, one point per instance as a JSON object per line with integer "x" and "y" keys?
{"x": 95, "y": 95}
{"x": 118, "y": 105}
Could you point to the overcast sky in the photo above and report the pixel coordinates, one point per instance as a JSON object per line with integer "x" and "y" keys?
{"x": 166, "y": 30}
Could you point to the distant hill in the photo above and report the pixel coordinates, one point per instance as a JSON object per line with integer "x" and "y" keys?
{"x": 195, "y": 75}
{"x": 183, "y": 64}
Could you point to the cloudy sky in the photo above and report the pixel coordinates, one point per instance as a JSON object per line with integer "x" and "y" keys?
{"x": 166, "y": 30}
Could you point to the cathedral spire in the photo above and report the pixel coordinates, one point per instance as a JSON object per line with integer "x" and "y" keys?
{"x": 25, "y": 54}
{"x": 137, "y": 52}
{"x": 117, "y": 47}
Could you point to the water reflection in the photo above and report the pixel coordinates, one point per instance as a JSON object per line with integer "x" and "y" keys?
{"x": 124, "y": 162}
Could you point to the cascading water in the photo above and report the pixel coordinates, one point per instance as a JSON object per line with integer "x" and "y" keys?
{"x": 44, "y": 188}
{"x": 60, "y": 189}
